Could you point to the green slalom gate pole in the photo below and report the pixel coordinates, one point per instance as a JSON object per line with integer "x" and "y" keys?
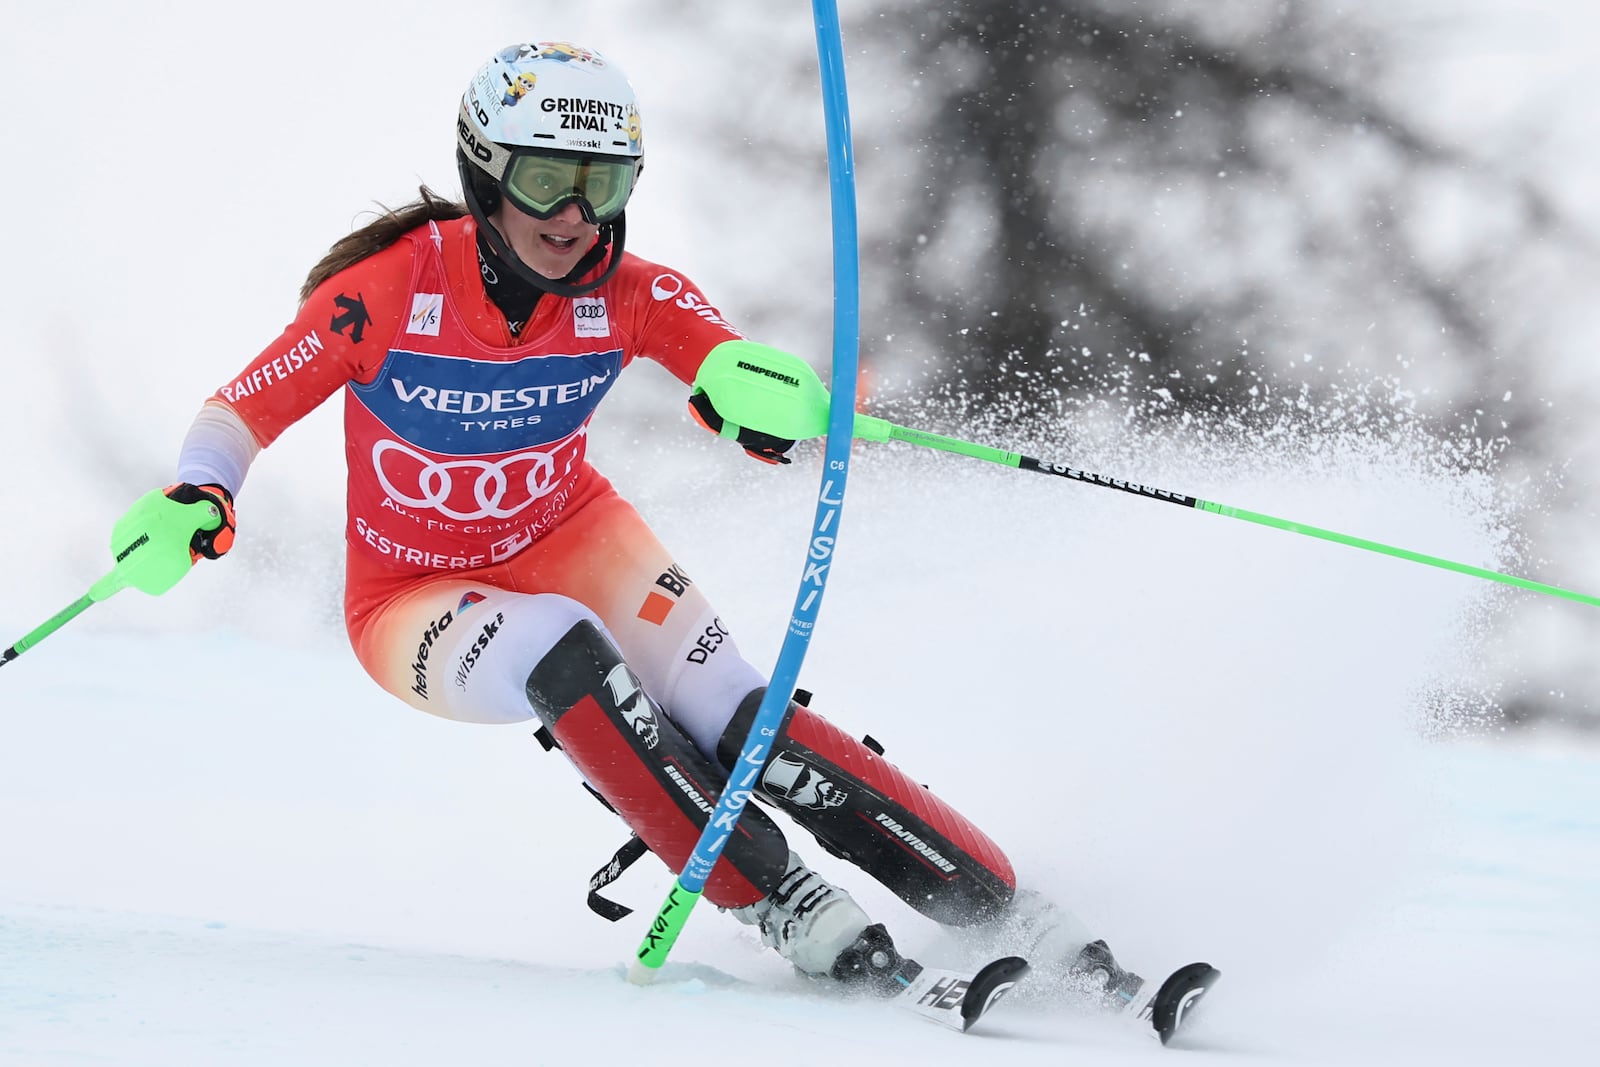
{"x": 756, "y": 394}
{"x": 150, "y": 552}
{"x": 836, "y": 420}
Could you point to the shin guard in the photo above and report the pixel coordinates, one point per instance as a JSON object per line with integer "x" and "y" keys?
{"x": 862, "y": 808}
{"x": 646, "y": 768}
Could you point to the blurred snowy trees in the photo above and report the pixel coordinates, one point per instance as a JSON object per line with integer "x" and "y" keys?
{"x": 1223, "y": 190}
{"x": 1227, "y": 213}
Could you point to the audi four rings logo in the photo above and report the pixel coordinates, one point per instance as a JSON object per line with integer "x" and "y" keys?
{"x": 666, "y": 286}
{"x": 468, "y": 489}
{"x": 588, "y": 311}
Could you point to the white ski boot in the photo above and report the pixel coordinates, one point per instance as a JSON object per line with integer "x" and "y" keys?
{"x": 820, "y": 929}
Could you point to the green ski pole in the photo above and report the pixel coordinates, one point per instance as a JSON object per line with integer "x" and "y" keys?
{"x": 754, "y": 393}
{"x": 150, "y": 552}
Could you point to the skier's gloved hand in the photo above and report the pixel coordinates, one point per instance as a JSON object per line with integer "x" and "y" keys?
{"x": 763, "y": 446}
{"x": 212, "y": 544}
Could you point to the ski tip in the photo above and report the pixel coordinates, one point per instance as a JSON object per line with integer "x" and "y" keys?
{"x": 1174, "y": 1003}
{"x": 991, "y": 983}
{"x": 958, "y": 999}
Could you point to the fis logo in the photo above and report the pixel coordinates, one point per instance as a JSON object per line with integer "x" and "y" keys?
{"x": 426, "y": 311}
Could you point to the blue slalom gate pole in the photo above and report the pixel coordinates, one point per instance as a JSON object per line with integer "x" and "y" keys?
{"x": 686, "y": 891}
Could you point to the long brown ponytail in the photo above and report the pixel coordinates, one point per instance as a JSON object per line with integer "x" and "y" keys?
{"x": 380, "y": 233}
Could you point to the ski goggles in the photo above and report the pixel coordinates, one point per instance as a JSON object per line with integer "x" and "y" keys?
{"x": 543, "y": 182}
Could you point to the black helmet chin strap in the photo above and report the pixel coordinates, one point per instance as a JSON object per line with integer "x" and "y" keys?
{"x": 612, "y": 236}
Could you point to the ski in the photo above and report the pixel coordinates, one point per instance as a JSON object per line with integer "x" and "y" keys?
{"x": 1174, "y": 1002}
{"x": 958, "y": 999}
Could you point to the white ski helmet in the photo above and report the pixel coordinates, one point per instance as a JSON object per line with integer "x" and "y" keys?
{"x": 545, "y": 125}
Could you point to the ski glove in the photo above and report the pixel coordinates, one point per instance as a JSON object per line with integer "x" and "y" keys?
{"x": 212, "y": 544}
{"x": 763, "y": 446}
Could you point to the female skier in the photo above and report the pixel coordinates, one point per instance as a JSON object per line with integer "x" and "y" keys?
{"x": 494, "y": 576}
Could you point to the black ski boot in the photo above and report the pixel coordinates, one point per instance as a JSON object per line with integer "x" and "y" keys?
{"x": 871, "y": 963}
{"x": 1097, "y": 972}
{"x": 1164, "y": 1010}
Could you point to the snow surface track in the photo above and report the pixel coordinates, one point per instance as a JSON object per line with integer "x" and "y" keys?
{"x": 224, "y": 845}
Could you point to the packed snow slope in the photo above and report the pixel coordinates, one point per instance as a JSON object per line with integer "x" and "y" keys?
{"x": 223, "y": 845}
